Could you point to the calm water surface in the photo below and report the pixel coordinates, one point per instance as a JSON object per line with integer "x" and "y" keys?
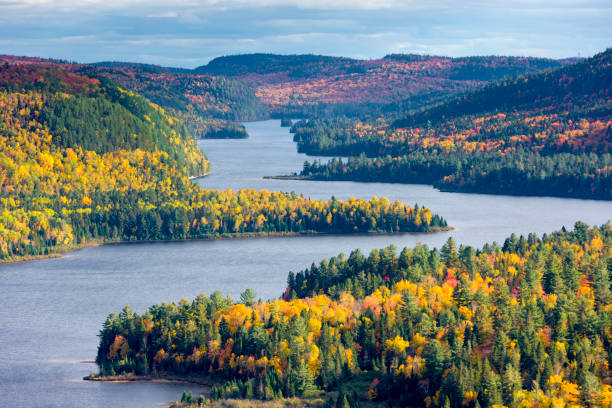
{"x": 52, "y": 310}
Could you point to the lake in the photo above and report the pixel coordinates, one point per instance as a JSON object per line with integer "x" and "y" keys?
{"x": 52, "y": 310}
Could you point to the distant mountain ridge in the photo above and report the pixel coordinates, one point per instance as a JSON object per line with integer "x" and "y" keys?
{"x": 265, "y": 63}
{"x": 316, "y": 85}
{"x": 262, "y": 63}
{"x": 583, "y": 83}
{"x": 253, "y": 86}
{"x": 150, "y": 68}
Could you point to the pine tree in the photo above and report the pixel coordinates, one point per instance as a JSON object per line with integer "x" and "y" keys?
{"x": 248, "y": 297}
{"x": 552, "y": 281}
{"x": 512, "y": 383}
{"x": 491, "y": 385}
{"x": 342, "y": 401}
{"x": 601, "y": 283}
{"x": 448, "y": 253}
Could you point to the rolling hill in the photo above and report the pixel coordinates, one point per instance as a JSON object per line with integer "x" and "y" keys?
{"x": 210, "y": 106}
{"x": 83, "y": 160}
{"x": 316, "y": 85}
{"x": 546, "y": 133}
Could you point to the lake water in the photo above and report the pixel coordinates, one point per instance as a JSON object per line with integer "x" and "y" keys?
{"x": 52, "y": 310}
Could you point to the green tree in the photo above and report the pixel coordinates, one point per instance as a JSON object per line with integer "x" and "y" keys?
{"x": 448, "y": 253}
{"x": 248, "y": 297}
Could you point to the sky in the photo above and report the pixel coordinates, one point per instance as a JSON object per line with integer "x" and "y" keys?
{"x": 189, "y": 33}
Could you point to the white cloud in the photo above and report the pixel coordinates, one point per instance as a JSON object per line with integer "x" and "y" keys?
{"x": 318, "y": 4}
{"x": 190, "y": 32}
{"x": 225, "y": 4}
{"x": 164, "y": 14}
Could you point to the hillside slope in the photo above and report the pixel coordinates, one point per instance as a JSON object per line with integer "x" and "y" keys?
{"x": 210, "y": 106}
{"x": 584, "y": 85}
{"x": 84, "y": 160}
{"x": 547, "y": 133}
{"x": 319, "y": 85}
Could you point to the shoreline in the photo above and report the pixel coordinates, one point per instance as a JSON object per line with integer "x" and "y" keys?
{"x": 290, "y": 177}
{"x": 442, "y": 189}
{"x": 199, "y": 176}
{"x": 160, "y": 378}
{"x": 58, "y": 253}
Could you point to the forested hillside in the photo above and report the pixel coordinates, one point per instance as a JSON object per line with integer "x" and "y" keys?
{"x": 546, "y": 133}
{"x": 210, "y": 106}
{"x": 211, "y": 99}
{"x": 314, "y": 85}
{"x": 83, "y": 160}
{"x": 523, "y": 325}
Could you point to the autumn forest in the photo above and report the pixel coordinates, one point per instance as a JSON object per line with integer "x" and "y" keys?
{"x": 116, "y": 153}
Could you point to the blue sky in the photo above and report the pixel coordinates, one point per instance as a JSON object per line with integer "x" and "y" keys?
{"x": 188, "y": 33}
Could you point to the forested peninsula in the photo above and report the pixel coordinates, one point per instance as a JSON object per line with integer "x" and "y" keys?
{"x": 522, "y": 325}
{"x": 546, "y": 133}
{"x": 84, "y": 161}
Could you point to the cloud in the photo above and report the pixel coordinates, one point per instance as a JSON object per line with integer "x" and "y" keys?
{"x": 314, "y": 4}
{"x": 221, "y": 4}
{"x": 164, "y": 14}
{"x": 190, "y": 32}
